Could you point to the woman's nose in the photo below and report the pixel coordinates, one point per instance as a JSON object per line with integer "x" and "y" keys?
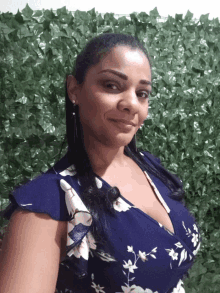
{"x": 130, "y": 101}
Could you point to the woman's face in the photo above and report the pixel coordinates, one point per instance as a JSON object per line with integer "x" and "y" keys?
{"x": 105, "y": 96}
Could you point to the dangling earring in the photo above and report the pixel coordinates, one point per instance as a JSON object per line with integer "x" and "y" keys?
{"x": 75, "y": 126}
{"x": 141, "y": 126}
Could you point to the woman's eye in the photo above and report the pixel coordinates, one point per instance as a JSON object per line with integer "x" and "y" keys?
{"x": 145, "y": 93}
{"x": 111, "y": 84}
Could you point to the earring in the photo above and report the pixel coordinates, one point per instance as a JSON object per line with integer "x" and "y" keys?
{"x": 141, "y": 126}
{"x": 75, "y": 126}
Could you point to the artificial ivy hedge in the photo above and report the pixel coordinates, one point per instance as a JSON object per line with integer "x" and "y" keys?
{"x": 37, "y": 49}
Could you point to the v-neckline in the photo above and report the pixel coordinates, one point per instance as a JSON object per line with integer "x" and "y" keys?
{"x": 159, "y": 196}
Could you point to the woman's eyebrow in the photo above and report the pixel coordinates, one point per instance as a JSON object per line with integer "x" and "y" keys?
{"x": 123, "y": 76}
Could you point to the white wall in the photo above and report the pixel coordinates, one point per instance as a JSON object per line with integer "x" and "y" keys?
{"x": 165, "y": 8}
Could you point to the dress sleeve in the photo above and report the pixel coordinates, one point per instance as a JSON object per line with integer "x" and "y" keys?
{"x": 51, "y": 194}
{"x": 40, "y": 195}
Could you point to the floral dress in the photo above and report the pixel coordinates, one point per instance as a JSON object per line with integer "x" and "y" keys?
{"x": 141, "y": 256}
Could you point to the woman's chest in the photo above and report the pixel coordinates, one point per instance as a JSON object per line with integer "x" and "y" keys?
{"x": 138, "y": 191}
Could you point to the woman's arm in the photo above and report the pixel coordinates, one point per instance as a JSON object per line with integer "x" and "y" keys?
{"x": 31, "y": 251}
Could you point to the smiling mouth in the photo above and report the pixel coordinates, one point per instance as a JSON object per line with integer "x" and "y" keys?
{"x": 126, "y": 123}
{"x": 122, "y": 126}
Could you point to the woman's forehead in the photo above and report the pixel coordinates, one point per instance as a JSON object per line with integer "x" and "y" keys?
{"x": 121, "y": 57}
{"x": 121, "y": 53}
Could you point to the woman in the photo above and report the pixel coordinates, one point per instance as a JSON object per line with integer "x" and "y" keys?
{"x": 107, "y": 217}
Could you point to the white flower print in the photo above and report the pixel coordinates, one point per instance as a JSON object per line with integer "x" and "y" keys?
{"x": 142, "y": 256}
{"x": 84, "y": 248}
{"x": 130, "y": 249}
{"x": 179, "y": 288}
{"x": 174, "y": 255}
{"x": 183, "y": 255}
{"x": 195, "y": 227}
{"x": 195, "y": 239}
{"x": 73, "y": 201}
{"x": 69, "y": 171}
{"x": 98, "y": 182}
{"x": 97, "y": 288}
{"x": 91, "y": 240}
{"x": 81, "y": 250}
{"x": 136, "y": 289}
{"x": 197, "y": 249}
{"x": 120, "y": 205}
{"x": 131, "y": 266}
{"x": 195, "y": 236}
{"x": 80, "y": 214}
{"x": 105, "y": 256}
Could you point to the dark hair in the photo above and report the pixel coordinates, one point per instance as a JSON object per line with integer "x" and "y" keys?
{"x": 95, "y": 199}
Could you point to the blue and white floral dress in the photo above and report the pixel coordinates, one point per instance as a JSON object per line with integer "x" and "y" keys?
{"x": 142, "y": 255}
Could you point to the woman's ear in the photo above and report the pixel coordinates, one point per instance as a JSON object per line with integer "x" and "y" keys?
{"x": 72, "y": 88}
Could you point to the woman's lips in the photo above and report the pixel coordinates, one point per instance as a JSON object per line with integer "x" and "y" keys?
{"x": 125, "y": 121}
{"x": 122, "y": 126}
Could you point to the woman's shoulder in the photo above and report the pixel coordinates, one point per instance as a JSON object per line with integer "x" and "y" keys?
{"x": 43, "y": 194}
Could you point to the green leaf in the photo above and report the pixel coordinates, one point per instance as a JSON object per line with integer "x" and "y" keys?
{"x": 27, "y": 11}
{"x": 46, "y": 24}
{"x": 13, "y": 36}
{"x": 64, "y": 17}
{"x": 123, "y": 21}
{"x": 143, "y": 17}
{"x": 178, "y": 17}
{"x": 81, "y": 15}
{"x": 109, "y": 17}
{"x": 5, "y": 30}
{"x": 24, "y": 32}
{"x": 18, "y": 17}
{"x": 216, "y": 279}
{"x": 133, "y": 17}
{"x": 204, "y": 18}
{"x": 92, "y": 13}
{"x": 83, "y": 29}
{"x": 46, "y": 36}
{"x": 37, "y": 13}
{"x": 62, "y": 11}
{"x": 154, "y": 13}
{"x": 49, "y": 15}
{"x": 189, "y": 15}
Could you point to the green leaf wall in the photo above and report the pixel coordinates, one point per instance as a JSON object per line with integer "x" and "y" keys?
{"x": 38, "y": 48}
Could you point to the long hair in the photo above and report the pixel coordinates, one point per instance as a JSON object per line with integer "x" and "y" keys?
{"x": 95, "y": 199}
